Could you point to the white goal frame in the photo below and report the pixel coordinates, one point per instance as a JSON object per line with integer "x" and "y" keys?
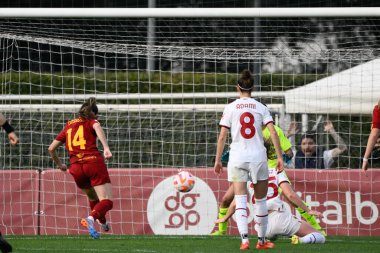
{"x": 189, "y": 12}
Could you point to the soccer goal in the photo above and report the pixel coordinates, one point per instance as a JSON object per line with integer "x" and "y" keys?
{"x": 162, "y": 78}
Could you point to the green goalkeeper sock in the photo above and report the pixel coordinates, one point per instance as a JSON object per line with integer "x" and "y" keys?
{"x": 310, "y": 219}
{"x": 223, "y": 225}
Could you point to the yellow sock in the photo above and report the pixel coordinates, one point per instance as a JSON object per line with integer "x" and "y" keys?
{"x": 223, "y": 225}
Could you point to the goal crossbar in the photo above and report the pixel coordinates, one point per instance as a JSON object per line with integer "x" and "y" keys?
{"x": 188, "y": 12}
{"x": 134, "y": 96}
{"x": 125, "y": 108}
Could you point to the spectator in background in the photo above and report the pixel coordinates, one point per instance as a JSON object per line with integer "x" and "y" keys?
{"x": 310, "y": 157}
{"x": 5, "y": 247}
{"x": 373, "y": 136}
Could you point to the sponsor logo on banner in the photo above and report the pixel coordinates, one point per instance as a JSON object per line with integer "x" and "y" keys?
{"x": 174, "y": 213}
{"x": 349, "y": 209}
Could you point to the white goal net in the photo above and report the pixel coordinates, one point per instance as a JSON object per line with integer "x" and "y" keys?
{"x": 161, "y": 93}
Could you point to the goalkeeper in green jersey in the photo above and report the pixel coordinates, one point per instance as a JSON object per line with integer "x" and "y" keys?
{"x": 272, "y": 160}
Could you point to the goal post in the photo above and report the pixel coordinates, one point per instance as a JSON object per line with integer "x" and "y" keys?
{"x": 188, "y": 12}
{"x": 160, "y": 104}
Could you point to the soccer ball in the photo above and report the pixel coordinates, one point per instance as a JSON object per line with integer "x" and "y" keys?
{"x": 183, "y": 181}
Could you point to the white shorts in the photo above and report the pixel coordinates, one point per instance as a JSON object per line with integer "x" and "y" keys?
{"x": 241, "y": 172}
{"x": 282, "y": 223}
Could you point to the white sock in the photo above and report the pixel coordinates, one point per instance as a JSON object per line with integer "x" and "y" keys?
{"x": 241, "y": 216}
{"x": 314, "y": 237}
{"x": 261, "y": 217}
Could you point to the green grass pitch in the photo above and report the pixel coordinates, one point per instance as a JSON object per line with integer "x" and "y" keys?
{"x": 181, "y": 244}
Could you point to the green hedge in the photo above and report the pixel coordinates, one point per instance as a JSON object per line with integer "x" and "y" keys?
{"x": 139, "y": 82}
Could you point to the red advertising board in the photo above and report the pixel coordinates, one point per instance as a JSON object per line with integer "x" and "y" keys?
{"x": 146, "y": 203}
{"x": 18, "y": 198}
{"x": 348, "y": 199}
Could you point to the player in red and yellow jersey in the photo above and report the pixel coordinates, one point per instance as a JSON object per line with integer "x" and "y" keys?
{"x": 373, "y": 136}
{"x": 87, "y": 164}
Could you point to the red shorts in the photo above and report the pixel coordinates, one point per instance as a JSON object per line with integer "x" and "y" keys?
{"x": 87, "y": 175}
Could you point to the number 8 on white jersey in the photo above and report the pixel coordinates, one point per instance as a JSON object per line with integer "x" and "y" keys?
{"x": 245, "y": 118}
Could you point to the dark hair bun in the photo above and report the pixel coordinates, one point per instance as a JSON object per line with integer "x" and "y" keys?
{"x": 246, "y": 74}
{"x": 245, "y": 81}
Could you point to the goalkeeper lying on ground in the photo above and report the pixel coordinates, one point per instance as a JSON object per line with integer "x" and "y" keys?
{"x": 288, "y": 154}
{"x": 280, "y": 220}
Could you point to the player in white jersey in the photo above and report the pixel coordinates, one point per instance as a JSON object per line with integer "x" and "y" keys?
{"x": 281, "y": 221}
{"x": 245, "y": 118}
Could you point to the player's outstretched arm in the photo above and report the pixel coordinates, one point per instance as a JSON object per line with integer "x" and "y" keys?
{"x": 53, "y": 154}
{"x": 102, "y": 137}
{"x": 291, "y": 195}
